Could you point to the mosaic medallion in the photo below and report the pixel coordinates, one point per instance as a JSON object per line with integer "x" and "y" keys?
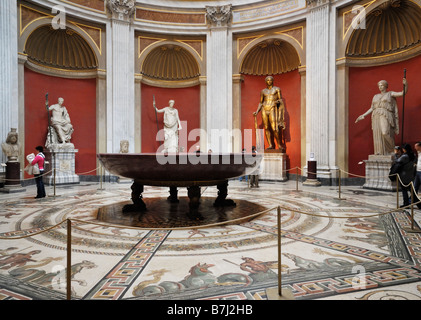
{"x": 161, "y": 213}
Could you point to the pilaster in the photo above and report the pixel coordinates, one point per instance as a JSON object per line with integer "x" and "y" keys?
{"x": 219, "y": 78}
{"x": 9, "y": 97}
{"x": 319, "y": 110}
{"x": 120, "y": 68}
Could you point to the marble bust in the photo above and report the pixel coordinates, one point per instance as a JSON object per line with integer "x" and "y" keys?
{"x": 11, "y": 146}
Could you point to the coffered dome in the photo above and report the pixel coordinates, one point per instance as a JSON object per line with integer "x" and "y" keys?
{"x": 391, "y": 27}
{"x": 270, "y": 57}
{"x": 170, "y": 63}
{"x": 61, "y": 48}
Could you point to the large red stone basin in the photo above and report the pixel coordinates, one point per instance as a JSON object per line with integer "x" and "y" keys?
{"x": 179, "y": 169}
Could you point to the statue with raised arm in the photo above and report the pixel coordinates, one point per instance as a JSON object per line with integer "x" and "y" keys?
{"x": 384, "y": 118}
{"x": 172, "y": 125}
{"x": 60, "y": 121}
{"x": 273, "y": 111}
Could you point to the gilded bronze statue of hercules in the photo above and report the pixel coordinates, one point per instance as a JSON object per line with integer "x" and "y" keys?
{"x": 272, "y": 113}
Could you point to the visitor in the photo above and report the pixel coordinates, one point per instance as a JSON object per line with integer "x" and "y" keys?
{"x": 417, "y": 179}
{"x": 245, "y": 177}
{"x": 406, "y": 172}
{"x": 254, "y": 176}
{"x": 39, "y": 159}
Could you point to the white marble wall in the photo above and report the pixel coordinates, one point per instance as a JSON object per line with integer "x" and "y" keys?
{"x": 8, "y": 70}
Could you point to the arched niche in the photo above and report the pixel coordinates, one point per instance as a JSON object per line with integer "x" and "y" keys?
{"x": 170, "y": 64}
{"x": 280, "y": 56}
{"x": 382, "y": 32}
{"x": 389, "y": 43}
{"x": 170, "y": 70}
{"x": 64, "y": 63}
{"x": 76, "y": 45}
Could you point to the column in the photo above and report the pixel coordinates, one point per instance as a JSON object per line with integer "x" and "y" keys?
{"x": 9, "y": 95}
{"x": 319, "y": 113}
{"x": 343, "y": 115}
{"x": 219, "y": 78}
{"x": 120, "y": 75}
{"x": 101, "y": 111}
{"x": 237, "y": 80}
{"x": 203, "y": 114}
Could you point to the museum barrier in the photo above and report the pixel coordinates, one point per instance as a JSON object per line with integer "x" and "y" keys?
{"x": 69, "y": 222}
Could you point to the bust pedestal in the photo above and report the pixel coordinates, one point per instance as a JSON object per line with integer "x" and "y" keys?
{"x": 377, "y": 169}
{"x": 273, "y": 166}
{"x": 12, "y": 182}
{"x": 312, "y": 174}
{"x": 62, "y": 160}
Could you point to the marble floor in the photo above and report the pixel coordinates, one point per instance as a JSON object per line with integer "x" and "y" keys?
{"x": 352, "y": 247}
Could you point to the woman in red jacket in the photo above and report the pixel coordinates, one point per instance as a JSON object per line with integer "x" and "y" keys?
{"x": 39, "y": 159}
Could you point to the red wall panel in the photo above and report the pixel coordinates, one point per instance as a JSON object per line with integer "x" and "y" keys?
{"x": 187, "y": 102}
{"x": 80, "y": 101}
{"x": 362, "y": 88}
{"x": 290, "y": 85}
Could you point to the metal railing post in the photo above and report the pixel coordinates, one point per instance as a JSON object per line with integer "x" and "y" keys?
{"x": 279, "y": 253}
{"x": 69, "y": 261}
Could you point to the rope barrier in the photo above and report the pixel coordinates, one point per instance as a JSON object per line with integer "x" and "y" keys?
{"x": 69, "y": 230}
{"x": 57, "y": 170}
{"x": 45, "y": 173}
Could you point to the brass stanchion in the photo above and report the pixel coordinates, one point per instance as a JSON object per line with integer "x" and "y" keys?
{"x": 54, "y": 181}
{"x": 397, "y": 192}
{"x": 100, "y": 178}
{"x": 339, "y": 184}
{"x": 296, "y": 181}
{"x": 279, "y": 294}
{"x": 279, "y": 253}
{"x": 69, "y": 261}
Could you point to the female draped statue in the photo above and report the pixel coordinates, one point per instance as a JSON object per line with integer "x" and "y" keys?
{"x": 384, "y": 118}
{"x": 171, "y": 126}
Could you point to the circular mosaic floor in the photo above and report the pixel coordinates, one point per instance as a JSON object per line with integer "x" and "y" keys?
{"x": 161, "y": 213}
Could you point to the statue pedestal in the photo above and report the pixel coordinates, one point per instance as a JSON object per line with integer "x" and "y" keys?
{"x": 61, "y": 157}
{"x": 273, "y": 166}
{"x": 12, "y": 179}
{"x": 377, "y": 169}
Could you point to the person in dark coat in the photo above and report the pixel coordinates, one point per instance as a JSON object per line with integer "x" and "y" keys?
{"x": 406, "y": 164}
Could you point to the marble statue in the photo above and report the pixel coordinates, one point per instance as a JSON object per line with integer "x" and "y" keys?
{"x": 272, "y": 113}
{"x": 124, "y": 146}
{"x": 172, "y": 125}
{"x": 11, "y": 146}
{"x": 384, "y": 118}
{"x": 60, "y": 121}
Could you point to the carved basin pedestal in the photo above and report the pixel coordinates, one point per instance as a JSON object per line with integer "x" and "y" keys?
{"x": 192, "y": 171}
